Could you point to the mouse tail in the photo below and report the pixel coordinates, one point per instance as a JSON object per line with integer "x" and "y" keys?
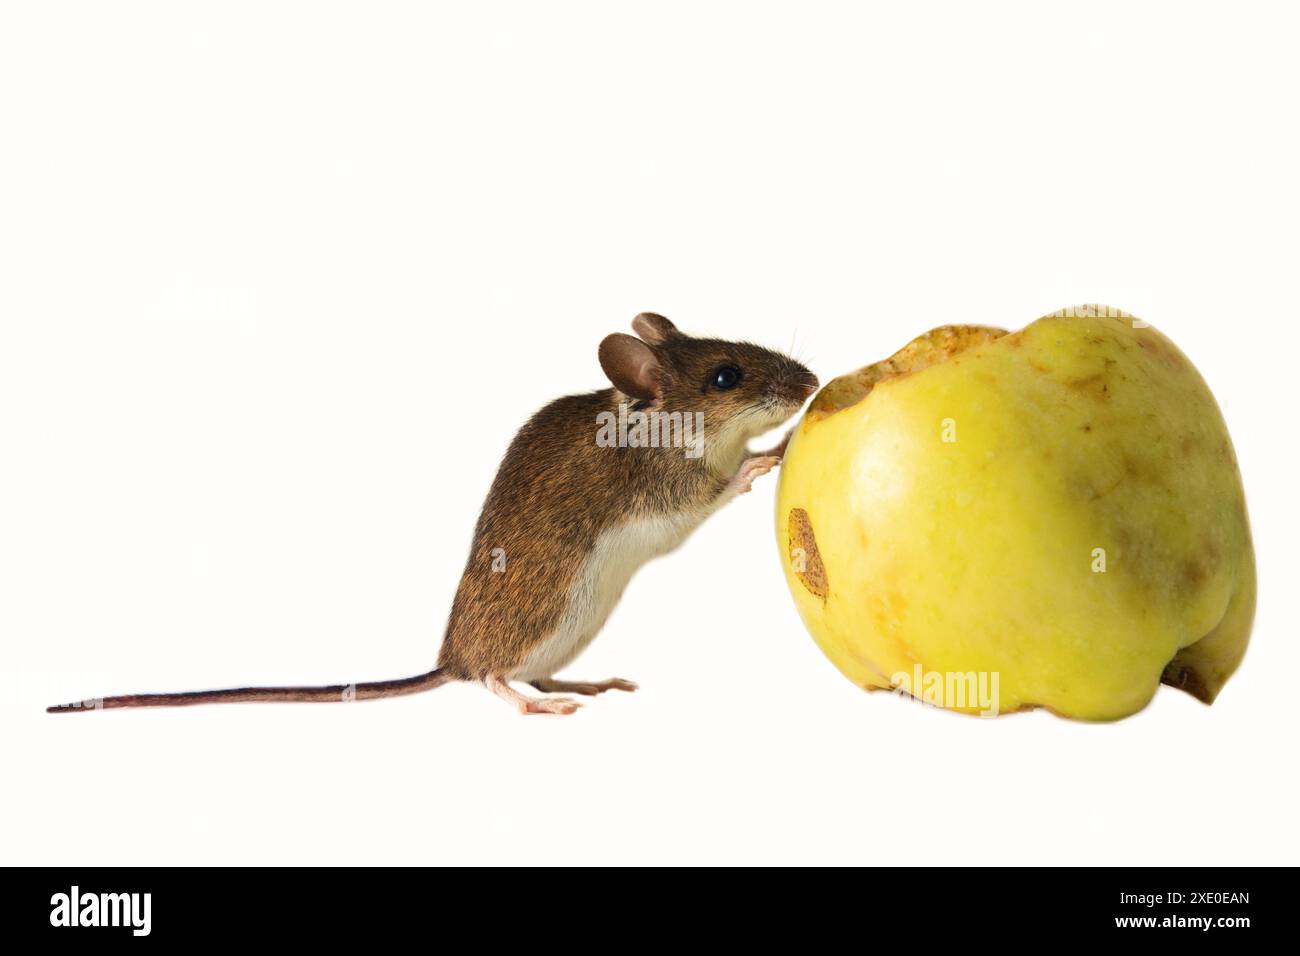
{"x": 234, "y": 695}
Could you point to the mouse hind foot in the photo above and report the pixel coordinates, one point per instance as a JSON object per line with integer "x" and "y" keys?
{"x": 526, "y": 704}
{"x": 548, "y": 685}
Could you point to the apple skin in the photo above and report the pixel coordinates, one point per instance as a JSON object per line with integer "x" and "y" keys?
{"x": 1059, "y": 506}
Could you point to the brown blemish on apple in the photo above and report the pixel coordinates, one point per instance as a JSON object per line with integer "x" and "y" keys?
{"x": 1086, "y": 384}
{"x": 937, "y": 345}
{"x": 1194, "y": 573}
{"x": 803, "y": 544}
{"x": 1098, "y": 493}
{"x": 1157, "y": 345}
{"x": 1203, "y": 565}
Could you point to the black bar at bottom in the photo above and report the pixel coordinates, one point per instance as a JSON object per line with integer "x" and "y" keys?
{"x": 553, "y": 907}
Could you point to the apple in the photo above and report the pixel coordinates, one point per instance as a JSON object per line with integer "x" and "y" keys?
{"x": 1054, "y": 516}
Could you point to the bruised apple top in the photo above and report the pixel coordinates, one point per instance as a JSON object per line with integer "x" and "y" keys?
{"x": 937, "y": 345}
{"x": 1055, "y": 513}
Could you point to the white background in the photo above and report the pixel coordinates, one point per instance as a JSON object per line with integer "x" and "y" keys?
{"x": 279, "y": 281}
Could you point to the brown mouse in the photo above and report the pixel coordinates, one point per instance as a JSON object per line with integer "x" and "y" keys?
{"x": 591, "y": 488}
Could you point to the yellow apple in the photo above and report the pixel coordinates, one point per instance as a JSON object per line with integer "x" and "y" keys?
{"x": 1056, "y": 510}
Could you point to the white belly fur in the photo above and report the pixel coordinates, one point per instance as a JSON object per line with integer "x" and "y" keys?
{"x": 599, "y": 584}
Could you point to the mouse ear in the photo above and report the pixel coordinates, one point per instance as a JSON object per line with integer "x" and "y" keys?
{"x": 653, "y": 328}
{"x": 631, "y": 365}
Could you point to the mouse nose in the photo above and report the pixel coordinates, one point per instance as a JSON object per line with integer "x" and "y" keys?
{"x": 809, "y": 388}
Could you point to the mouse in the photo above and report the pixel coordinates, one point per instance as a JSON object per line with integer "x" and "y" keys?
{"x": 591, "y": 488}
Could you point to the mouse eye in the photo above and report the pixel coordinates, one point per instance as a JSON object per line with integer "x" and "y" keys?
{"x": 724, "y": 377}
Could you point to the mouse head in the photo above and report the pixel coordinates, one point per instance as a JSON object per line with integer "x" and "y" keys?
{"x": 741, "y": 389}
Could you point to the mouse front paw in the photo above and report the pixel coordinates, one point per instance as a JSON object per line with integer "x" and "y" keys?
{"x": 750, "y": 469}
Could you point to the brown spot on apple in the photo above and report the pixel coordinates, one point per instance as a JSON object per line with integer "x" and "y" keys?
{"x": 804, "y": 556}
